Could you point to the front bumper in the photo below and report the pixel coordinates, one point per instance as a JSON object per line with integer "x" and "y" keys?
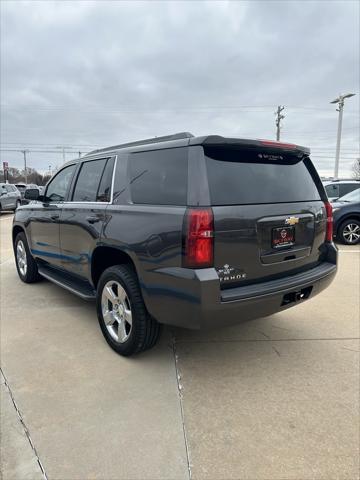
{"x": 193, "y": 298}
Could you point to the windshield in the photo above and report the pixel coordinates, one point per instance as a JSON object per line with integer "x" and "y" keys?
{"x": 353, "y": 196}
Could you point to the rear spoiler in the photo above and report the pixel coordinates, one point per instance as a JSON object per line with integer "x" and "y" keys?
{"x": 269, "y": 145}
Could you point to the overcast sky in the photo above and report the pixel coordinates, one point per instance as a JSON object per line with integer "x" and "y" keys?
{"x": 87, "y": 74}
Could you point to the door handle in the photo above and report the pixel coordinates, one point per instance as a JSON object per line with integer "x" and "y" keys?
{"x": 93, "y": 218}
{"x": 55, "y": 216}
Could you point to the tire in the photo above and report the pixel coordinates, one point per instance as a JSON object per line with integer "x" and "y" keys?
{"x": 349, "y": 232}
{"x": 25, "y": 263}
{"x": 119, "y": 300}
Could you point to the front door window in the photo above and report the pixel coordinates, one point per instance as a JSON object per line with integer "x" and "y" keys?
{"x": 58, "y": 187}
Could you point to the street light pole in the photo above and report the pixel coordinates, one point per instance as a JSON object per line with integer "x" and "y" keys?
{"x": 340, "y": 101}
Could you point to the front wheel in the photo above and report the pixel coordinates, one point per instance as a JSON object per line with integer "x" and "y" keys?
{"x": 124, "y": 321}
{"x": 25, "y": 263}
{"x": 349, "y": 232}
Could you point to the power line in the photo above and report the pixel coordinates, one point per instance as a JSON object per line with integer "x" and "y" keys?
{"x": 41, "y": 151}
{"x": 175, "y": 107}
{"x": 52, "y": 144}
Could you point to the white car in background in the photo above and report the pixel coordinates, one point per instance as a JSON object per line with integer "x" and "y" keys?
{"x": 10, "y": 197}
{"x": 338, "y": 188}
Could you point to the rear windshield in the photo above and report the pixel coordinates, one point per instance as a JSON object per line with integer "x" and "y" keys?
{"x": 238, "y": 177}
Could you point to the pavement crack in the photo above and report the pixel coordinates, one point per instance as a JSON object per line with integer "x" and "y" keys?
{"x": 350, "y": 349}
{"x": 239, "y": 340}
{"x": 26, "y": 430}
{"x": 281, "y": 328}
{"x": 264, "y": 334}
{"x": 180, "y": 388}
{"x": 276, "y": 351}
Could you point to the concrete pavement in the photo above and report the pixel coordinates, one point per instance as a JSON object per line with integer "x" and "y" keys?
{"x": 276, "y": 398}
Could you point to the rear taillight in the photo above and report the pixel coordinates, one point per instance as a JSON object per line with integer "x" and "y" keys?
{"x": 329, "y": 222}
{"x": 199, "y": 238}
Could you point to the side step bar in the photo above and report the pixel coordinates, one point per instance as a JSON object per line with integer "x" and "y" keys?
{"x": 79, "y": 287}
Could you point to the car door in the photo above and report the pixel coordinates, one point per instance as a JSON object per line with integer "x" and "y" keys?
{"x": 45, "y": 215}
{"x": 11, "y": 197}
{"x": 346, "y": 188}
{"x": 83, "y": 215}
{"x": 4, "y": 197}
{"x": 15, "y": 194}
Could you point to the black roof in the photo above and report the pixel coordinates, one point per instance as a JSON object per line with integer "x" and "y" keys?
{"x": 147, "y": 141}
{"x": 186, "y": 138}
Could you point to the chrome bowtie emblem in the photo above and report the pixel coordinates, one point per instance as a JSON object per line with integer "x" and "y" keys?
{"x": 292, "y": 221}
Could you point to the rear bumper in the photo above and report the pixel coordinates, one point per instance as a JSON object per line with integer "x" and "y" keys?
{"x": 193, "y": 298}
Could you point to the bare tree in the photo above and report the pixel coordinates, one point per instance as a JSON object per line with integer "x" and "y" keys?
{"x": 356, "y": 169}
{"x": 18, "y": 176}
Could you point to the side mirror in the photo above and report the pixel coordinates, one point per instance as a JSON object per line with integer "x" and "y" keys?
{"x": 32, "y": 194}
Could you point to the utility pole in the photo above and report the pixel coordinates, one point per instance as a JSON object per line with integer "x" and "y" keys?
{"x": 25, "y": 167}
{"x": 63, "y": 152}
{"x": 279, "y": 117}
{"x": 340, "y": 101}
{"x": 79, "y": 154}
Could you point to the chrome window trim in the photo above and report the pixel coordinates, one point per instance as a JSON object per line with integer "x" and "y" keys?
{"x": 112, "y": 184}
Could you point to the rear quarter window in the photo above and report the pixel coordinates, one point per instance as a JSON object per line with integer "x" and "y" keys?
{"x": 242, "y": 178}
{"x": 159, "y": 177}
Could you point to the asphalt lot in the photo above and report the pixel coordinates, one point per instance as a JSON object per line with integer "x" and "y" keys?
{"x": 276, "y": 398}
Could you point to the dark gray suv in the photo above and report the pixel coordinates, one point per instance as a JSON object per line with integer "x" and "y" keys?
{"x": 188, "y": 231}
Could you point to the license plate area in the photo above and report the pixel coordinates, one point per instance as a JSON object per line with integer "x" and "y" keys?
{"x": 283, "y": 237}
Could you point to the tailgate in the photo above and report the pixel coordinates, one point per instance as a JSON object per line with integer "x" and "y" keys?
{"x": 269, "y": 219}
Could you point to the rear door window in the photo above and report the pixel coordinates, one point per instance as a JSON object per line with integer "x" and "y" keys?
{"x": 88, "y": 181}
{"x": 347, "y": 188}
{"x": 159, "y": 177}
{"x": 239, "y": 178}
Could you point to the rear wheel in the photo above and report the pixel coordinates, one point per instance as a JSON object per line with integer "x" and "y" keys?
{"x": 349, "y": 232}
{"x": 123, "y": 318}
{"x": 25, "y": 263}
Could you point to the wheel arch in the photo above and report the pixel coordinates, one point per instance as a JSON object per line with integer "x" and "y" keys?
{"x": 16, "y": 230}
{"x": 348, "y": 216}
{"x": 104, "y": 257}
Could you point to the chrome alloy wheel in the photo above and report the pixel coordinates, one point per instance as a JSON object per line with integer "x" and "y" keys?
{"x": 351, "y": 233}
{"x": 21, "y": 257}
{"x": 116, "y": 311}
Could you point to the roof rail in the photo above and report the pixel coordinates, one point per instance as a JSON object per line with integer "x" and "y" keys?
{"x": 167, "y": 138}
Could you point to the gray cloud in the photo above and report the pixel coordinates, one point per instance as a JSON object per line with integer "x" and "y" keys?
{"x": 99, "y": 73}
